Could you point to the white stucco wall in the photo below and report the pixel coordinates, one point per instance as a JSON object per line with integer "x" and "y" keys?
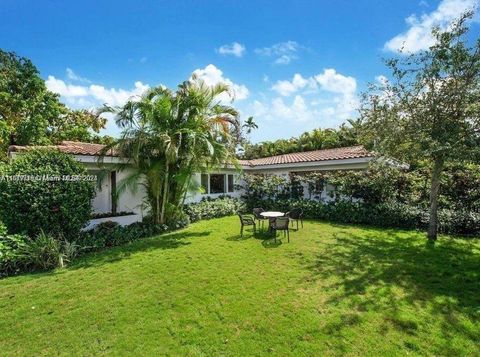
{"x": 128, "y": 201}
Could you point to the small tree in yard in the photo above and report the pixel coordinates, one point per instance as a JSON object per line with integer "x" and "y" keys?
{"x": 431, "y": 108}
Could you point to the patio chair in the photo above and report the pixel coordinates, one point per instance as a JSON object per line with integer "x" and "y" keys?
{"x": 246, "y": 220}
{"x": 257, "y": 215}
{"x": 296, "y": 214}
{"x": 281, "y": 224}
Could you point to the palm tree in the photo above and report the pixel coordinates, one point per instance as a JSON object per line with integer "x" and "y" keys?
{"x": 168, "y": 136}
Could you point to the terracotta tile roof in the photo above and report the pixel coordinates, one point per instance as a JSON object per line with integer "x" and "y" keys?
{"x": 351, "y": 152}
{"x": 69, "y": 147}
{"x": 244, "y": 162}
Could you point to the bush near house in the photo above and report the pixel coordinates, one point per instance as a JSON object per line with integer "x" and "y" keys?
{"x": 111, "y": 234}
{"x": 387, "y": 214}
{"x": 59, "y": 208}
{"x": 214, "y": 208}
{"x": 20, "y": 253}
{"x": 382, "y": 195}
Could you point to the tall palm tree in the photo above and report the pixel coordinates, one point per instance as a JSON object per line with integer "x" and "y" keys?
{"x": 168, "y": 136}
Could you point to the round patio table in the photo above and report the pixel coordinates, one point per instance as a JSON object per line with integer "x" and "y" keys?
{"x": 271, "y": 215}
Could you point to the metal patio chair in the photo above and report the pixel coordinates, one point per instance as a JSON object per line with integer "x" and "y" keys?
{"x": 281, "y": 224}
{"x": 257, "y": 216}
{"x": 246, "y": 220}
{"x": 296, "y": 214}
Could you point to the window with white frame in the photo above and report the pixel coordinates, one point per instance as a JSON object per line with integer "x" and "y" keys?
{"x": 217, "y": 183}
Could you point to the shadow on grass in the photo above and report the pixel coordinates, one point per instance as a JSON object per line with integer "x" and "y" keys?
{"x": 268, "y": 239}
{"x": 110, "y": 255}
{"x": 400, "y": 276}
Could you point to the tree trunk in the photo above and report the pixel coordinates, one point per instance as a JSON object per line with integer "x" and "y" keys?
{"x": 434, "y": 191}
{"x": 157, "y": 209}
{"x": 165, "y": 194}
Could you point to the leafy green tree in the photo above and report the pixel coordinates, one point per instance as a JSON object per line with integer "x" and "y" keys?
{"x": 168, "y": 136}
{"x": 26, "y": 106}
{"x": 77, "y": 125}
{"x": 430, "y": 110}
{"x": 32, "y": 115}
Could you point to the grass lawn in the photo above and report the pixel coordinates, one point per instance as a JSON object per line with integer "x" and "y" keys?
{"x": 332, "y": 290}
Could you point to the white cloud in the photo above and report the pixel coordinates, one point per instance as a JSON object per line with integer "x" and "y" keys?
{"x": 322, "y": 100}
{"x": 283, "y": 52}
{"x": 332, "y": 81}
{"x": 211, "y": 75}
{"x": 329, "y": 81}
{"x": 418, "y": 36}
{"x": 66, "y": 90}
{"x": 287, "y": 88}
{"x": 296, "y": 110}
{"x": 93, "y": 94}
{"x": 235, "y": 49}
{"x": 75, "y": 77}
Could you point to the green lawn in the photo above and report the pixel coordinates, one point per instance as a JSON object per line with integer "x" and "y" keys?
{"x": 332, "y": 290}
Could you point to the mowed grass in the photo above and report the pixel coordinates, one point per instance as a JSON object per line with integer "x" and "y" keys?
{"x": 333, "y": 290}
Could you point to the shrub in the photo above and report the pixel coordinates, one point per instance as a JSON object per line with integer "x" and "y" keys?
{"x": 42, "y": 253}
{"x": 59, "y": 208}
{"x": 11, "y": 251}
{"x": 19, "y": 253}
{"x": 388, "y": 214}
{"x": 179, "y": 220}
{"x": 111, "y": 234}
{"x": 214, "y": 208}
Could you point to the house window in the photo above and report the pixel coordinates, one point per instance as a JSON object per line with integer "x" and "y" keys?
{"x": 217, "y": 183}
{"x": 204, "y": 183}
{"x": 230, "y": 183}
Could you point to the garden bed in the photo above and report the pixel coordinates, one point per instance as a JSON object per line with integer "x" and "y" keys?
{"x": 123, "y": 220}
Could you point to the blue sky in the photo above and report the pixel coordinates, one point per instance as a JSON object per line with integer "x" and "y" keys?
{"x": 293, "y": 65}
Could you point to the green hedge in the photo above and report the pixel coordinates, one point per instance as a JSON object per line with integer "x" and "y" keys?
{"x": 214, "y": 208}
{"x": 111, "y": 234}
{"x": 60, "y": 208}
{"x": 391, "y": 214}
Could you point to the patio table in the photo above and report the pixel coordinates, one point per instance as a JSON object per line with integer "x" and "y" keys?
{"x": 271, "y": 215}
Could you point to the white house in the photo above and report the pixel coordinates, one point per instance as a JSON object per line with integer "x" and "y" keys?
{"x": 215, "y": 184}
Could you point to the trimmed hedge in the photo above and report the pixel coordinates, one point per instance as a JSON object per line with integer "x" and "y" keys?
{"x": 214, "y": 208}
{"x": 392, "y": 214}
{"x": 111, "y": 234}
{"x": 40, "y": 202}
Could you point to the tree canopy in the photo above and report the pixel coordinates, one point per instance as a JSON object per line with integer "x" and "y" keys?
{"x": 32, "y": 115}
{"x": 430, "y": 109}
{"x": 170, "y": 135}
{"x": 345, "y": 135}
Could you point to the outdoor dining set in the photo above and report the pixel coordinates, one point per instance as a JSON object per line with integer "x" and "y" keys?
{"x": 277, "y": 221}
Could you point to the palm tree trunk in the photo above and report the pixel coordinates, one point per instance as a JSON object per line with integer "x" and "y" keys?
{"x": 434, "y": 191}
{"x": 165, "y": 194}
{"x": 157, "y": 208}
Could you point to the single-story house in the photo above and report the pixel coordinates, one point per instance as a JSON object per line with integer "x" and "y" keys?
{"x": 224, "y": 181}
